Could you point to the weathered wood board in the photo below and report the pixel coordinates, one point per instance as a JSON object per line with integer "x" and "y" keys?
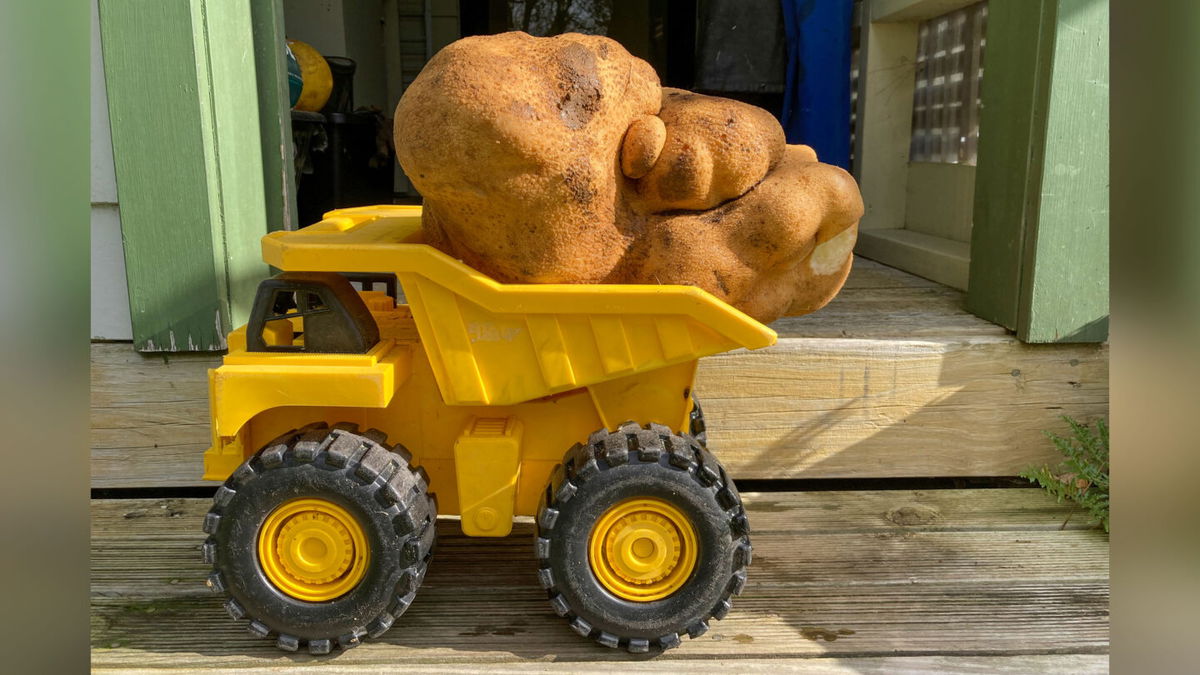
{"x": 190, "y": 183}
{"x": 893, "y": 378}
{"x": 889, "y": 581}
{"x": 1039, "y": 248}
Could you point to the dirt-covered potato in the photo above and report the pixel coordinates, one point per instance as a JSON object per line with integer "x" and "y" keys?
{"x": 563, "y": 160}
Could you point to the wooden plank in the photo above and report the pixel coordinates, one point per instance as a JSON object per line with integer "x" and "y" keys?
{"x": 832, "y": 578}
{"x": 883, "y": 511}
{"x": 870, "y": 274}
{"x": 852, "y": 408}
{"x": 940, "y": 201}
{"x": 1046, "y": 664}
{"x": 806, "y": 408}
{"x": 891, "y": 379}
{"x": 1064, "y": 291}
{"x": 175, "y": 295}
{"x": 190, "y": 183}
{"x": 1011, "y": 142}
{"x": 274, "y": 114}
{"x": 911, "y": 313}
{"x": 233, "y": 152}
{"x": 886, "y": 62}
{"x": 942, "y": 260}
{"x": 909, "y": 532}
{"x": 174, "y": 570}
{"x": 775, "y": 513}
{"x": 449, "y": 626}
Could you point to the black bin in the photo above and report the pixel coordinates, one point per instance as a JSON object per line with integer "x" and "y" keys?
{"x": 342, "y": 174}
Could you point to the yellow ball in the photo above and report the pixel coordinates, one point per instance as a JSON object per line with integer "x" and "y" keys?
{"x": 318, "y": 80}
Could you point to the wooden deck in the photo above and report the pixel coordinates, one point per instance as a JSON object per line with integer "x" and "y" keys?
{"x": 883, "y": 581}
{"x": 893, "y": 379}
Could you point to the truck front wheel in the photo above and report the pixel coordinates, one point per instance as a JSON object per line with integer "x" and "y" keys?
{"x": 321, "y": 538}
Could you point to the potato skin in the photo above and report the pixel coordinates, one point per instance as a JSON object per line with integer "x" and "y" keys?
{"x": 716, "y": 150}
{"x": 642, "y": 146}
{"x": 563, "y": 160}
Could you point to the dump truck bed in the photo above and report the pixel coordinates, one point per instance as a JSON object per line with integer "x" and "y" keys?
{"x": 497, "y": 344}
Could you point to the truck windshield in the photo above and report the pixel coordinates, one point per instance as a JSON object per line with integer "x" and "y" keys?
{"x": 316, "y": 312}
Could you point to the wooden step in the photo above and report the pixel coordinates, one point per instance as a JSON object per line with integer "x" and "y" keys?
{"x": 888, "y": 581}
{"x": 893, "y": 378}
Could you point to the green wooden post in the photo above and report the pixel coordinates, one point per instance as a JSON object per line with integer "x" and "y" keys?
{"x": 275, "y": 123}
{"x": 1066, "y": 289}
{"x": 1013, "y": 95}
{"x": 184, "y": 111}
{"x": 1039, "y": 246}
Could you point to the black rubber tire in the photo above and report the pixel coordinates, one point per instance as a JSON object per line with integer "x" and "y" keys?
{"x": 696, "y": 425}
{"x": 631, "y": 462}
{"x": 363, "y": 475}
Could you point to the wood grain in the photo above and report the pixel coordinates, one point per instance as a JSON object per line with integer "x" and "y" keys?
{"x": 892, "y": 378}
{"x": 949, "y": 579}
{"x": 1064, "y": 291}
{"x": 190, "y": 183}
{"x": 1045, "y": 664}
{"x": 223, "y": 37}
{"x": 945, "y": 407}
{"x": 887, "y": 75}
{"x": 274, "y": 115}
{"x": 176, "y": 294}
{"x": 1039, "y": 247}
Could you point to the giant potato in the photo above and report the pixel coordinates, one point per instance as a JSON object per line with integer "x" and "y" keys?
{"x": 563, "y": 160}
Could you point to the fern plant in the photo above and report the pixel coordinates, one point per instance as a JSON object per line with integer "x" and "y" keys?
{"x": 1082, "y": 477}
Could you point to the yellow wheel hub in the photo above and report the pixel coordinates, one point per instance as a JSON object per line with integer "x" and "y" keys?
{"x": 312, "y": 549}
{"x": 642, "y": 549}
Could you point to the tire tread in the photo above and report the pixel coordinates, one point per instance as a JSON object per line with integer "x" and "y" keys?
{"x": 384, "y": 471}
{"x": 634, "y": 442}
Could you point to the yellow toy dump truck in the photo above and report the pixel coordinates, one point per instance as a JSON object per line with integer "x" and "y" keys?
{"x": 338, "y": 412}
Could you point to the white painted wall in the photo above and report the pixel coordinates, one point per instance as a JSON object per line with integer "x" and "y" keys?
{"x": 110, "y": 294}
{"x": 317, "y": 22}
{"x": 361, "y": 30}
{"x": 336, "y": 27}
{"x": 363, "y": 20}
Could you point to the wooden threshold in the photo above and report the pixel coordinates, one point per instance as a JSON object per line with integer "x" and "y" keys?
{"x": 936, "y": 258}
{"x": 891, "y": 379}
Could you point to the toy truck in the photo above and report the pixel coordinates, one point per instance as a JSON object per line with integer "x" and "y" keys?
{"x": 338, "y": 412}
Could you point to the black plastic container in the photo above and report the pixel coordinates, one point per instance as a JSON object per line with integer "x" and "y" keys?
{"x": 342, "y": 174}
{"x": 341, "y": 96}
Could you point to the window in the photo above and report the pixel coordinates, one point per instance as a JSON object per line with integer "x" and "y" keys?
{"x": 314, "y": 304}
{"x": 945, "y": 125}
{"x": 916, "y": 131}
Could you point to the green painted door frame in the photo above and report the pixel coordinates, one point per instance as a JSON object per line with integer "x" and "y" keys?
{"x": 202, "y": 154}
{"x": 1039, "y": 245}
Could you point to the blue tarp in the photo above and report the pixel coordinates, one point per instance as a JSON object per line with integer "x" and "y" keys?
{"x": 816, "y": 101}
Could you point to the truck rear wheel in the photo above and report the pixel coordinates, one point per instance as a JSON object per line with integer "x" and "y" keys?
{"x": 641, "y": 539}
{"x": 321, "y": 538}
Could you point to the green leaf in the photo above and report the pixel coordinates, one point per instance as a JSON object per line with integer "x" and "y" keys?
{"x": 1085, "y": 460}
